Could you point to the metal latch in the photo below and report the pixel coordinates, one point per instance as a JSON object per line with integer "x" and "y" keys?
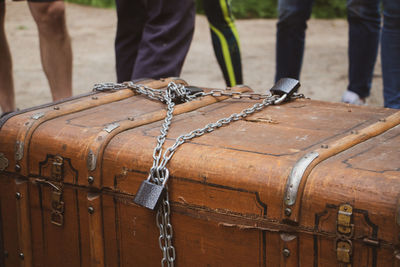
{"x": 57, "y": 208}
{"x": 57, "y": 203}
{"x": 57, "y": 168}
{"x": 344, "y": 221}
{"x": 344, "y": 231}
{"x": 344, "y": 251}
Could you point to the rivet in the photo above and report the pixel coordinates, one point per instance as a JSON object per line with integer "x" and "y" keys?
{"x": 382, "y": 120}
{"x": 56, "y": 108}
{"x": 18, "y": 195}
{"x": 91, "y": 210}
{"x": 131, "y": 118}
{"x": 17, "y": 168}
{"x": 288, "y": 212}
{"x": 324, "y": 146}
{"x": 286, "y": 252}
{"x": 21, "y": 256}
{"x": 354, "y": 132}
{"x": 90, "y": 179}
{"x": 95, "y": 97}
{"x": 5, "y": 253}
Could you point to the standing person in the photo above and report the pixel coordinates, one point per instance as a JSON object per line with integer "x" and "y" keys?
{"x": 55, "y": 51}
{"x": 364, "y": 33}
{"x": 225, "y": 39}
{"x": 153, "y": 37}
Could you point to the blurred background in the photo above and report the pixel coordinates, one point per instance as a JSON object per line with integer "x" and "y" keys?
{"x": 92, "y": 24}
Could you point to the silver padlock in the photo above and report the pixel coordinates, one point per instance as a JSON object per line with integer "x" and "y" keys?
{"x": 150, "y": 194}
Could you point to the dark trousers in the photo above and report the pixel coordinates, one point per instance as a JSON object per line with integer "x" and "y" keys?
{"x": 153, "y": 37}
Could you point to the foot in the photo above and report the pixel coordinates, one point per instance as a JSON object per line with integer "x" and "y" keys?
{"x": 352, "y": 98}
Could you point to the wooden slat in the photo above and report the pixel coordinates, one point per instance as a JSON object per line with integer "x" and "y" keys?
{"x": 95, "y": 230}
{"x": 23, "y": 223}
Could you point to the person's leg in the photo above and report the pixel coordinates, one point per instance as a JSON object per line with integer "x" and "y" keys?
{"x": 364, "y": 32}
{"x": 7, "y": 98}
{"x": 131, "y": 18}
{"x": 166, "y": 38}
{"x": 225, "y": 39}
{"x": 390, "y": 53}
{"x": 290, "y": 38}
{"x": 55, "y": 46}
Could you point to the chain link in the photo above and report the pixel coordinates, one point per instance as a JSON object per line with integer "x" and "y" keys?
{"x": 159, "y": 173}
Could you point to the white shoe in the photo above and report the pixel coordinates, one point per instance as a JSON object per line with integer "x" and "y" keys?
{"x": 352, "y": 98}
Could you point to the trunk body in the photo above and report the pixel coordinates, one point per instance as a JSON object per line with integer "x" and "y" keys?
{"x": 305, "y": 183}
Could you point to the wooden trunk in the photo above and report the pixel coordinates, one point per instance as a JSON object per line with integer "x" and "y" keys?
{"x": 305, "y": 183}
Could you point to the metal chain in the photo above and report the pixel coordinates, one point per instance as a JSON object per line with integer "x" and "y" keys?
{"x": 159, "y": 173}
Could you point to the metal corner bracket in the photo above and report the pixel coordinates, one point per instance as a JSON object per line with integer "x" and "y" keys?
{"x": 295, "y": 177}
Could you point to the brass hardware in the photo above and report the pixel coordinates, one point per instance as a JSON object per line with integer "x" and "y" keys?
{"x": 344, "y": 251}
{"x": 56, "y": 108}
{"x": 131, "y": 118}
{"x": 57, "y": 208}
{"x": 324, "y": 146}
{"x": 344, "y": 232}
{"x": 18, "y": 195}
{"x": 57, "y": 203}
{"x": 344, "y": 220}
{"x": 286, "y": 253}
{"x": 3, "y": 162}
{"x": 21, "y": 256}
{"x": 57, "y": 168}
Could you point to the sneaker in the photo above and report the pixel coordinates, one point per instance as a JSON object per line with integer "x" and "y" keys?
{"x": 352, "y": 98}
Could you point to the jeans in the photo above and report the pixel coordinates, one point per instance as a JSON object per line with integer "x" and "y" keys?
{"x": 153, "y": 37}
{"x": 365, "y": 32}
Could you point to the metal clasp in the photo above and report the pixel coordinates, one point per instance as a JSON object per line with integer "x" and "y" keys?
{"x": 344, "y": 250}
{"x": 344, "y": 231}
{"x": 344, "y": 224}
{"x": 57, "y": 168}
{"x": 57, "y": 208}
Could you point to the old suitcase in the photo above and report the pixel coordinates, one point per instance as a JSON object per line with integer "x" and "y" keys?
{"x": 297, "y": 183}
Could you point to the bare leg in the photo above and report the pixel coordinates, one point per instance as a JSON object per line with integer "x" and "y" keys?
{"x": 7, "y": 98}
{"x": 55, "y": 46}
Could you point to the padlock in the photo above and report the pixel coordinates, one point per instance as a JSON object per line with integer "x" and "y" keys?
{"x": 286, "y": 86}
{"x": 150, "y": 194}
{"x": 191, "y": 90}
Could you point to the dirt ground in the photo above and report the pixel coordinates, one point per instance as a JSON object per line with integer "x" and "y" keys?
{"x": 324, "y": 75}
